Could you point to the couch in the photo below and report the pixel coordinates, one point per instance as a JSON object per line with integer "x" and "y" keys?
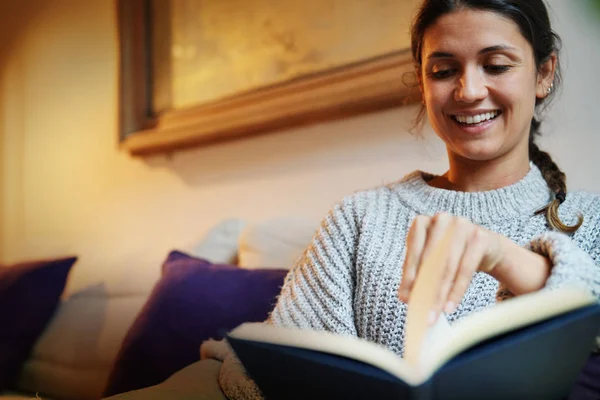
{"x": 73, "y": 358}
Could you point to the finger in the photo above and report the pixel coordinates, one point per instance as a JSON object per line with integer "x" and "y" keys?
{"x": 437, "y": 228}
{"x": 415, "y": 242}
{"x": 469, "y": 264}
{"x": 458, "y": 232}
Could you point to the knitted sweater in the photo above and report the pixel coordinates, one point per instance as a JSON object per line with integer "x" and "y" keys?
{"x": 347, "y": 279}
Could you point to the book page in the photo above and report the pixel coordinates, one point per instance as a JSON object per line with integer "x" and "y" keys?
{"x": 437, "y": 337}
{"x": 331, "y": 343}
{"x": 504, "y": 317}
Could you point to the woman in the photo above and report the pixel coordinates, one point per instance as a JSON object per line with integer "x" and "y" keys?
{"x": 485, "y": 67}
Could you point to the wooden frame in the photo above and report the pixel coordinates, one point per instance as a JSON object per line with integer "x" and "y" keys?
{"x": 370, "y": 85}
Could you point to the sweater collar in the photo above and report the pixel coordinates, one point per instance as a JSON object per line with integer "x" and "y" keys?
{"x": 521, "y": 198}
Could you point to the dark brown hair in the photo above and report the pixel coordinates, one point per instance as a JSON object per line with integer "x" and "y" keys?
{"x": 531, "y": 17}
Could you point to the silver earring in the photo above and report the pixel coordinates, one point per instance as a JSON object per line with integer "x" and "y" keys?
{"x": 550, "y": 88}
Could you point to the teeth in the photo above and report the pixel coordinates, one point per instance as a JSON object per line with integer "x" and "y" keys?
{"x": 475, "y": 119}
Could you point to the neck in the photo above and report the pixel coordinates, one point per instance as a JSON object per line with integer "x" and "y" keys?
{"x": 477, "y": 176}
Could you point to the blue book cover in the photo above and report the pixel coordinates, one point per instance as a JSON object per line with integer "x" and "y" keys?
{"x": 529, "y": 347}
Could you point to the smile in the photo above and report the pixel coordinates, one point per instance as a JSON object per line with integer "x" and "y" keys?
{"x": 476, "y": 119}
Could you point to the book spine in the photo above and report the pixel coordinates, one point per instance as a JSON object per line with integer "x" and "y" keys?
{"x": 423, "y": 392}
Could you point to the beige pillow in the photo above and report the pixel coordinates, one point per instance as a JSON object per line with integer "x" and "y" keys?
{"x": 74, "y": 356}
{"x": 275, "y": 243}
{"x": 220, "y": 244}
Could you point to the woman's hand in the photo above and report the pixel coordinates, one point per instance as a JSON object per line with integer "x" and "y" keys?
{"x": 472, "y": 249}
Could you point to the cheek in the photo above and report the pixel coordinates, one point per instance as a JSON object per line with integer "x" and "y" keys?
{"x": 436, "y": 96}
{"x": 517, "y": 94}
{"x": 438, "y": 122}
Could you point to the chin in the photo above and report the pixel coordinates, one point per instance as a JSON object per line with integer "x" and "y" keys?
{"x": 477, "y": 154}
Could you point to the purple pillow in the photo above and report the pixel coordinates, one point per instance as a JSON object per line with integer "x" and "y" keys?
{"x": 195, "y": 300}
{"x": 29, "y": 295}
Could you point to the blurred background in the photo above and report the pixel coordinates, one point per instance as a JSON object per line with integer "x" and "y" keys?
{"x": 67, "y": 187}
{"x": 70, "y": 183}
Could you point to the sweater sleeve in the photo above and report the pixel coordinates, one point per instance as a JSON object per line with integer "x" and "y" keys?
{"x": 317, "y": 293}
{"x": 571, "y": 265}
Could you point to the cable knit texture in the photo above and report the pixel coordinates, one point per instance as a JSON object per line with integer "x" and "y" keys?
{"x": 347, "y": 280}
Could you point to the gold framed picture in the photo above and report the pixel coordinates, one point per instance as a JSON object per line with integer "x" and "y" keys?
{"x": 199, "y": 71}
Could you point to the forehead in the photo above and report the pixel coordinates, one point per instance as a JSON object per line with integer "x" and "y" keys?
{"x": 472, "y": 30}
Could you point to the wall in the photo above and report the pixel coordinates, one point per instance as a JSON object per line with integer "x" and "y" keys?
{"x": 68, "y": 189}
{"x": 15, "y": 18}
{"x": 2, "y": 195}
{"x": 2, "y": 184}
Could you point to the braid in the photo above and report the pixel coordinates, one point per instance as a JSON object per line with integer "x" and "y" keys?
{"x": 556, "y": 180}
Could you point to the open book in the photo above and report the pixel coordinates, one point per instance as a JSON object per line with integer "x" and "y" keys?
{"x": 528, "y": 347}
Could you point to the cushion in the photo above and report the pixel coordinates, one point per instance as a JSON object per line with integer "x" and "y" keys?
{"x": 73, "y": 358}
{"x": 29, "y": 295}
{"x": 275, "y": 243}
{"x": 198, "y": 381}
{"x": 195, "y": 300}
{"x": 220, "y": 244}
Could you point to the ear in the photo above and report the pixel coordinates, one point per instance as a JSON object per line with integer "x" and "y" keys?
{"x": 545, "y": 76}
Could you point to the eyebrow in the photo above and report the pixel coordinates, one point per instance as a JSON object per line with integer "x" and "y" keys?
{"x": 491, "y": 49}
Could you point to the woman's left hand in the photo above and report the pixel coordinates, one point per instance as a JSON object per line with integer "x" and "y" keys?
{"x": 472, "y": 249}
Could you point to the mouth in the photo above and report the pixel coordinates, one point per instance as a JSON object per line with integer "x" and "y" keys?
{"x": 475, "y": 120}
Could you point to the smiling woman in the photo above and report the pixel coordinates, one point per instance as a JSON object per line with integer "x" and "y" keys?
{"x": 486, "y": 68}
{"x": 482, "y": 86}
{"x": 480, "y": 83}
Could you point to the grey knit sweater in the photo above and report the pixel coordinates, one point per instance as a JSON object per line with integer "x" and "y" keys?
{"x": 347, "y": 280}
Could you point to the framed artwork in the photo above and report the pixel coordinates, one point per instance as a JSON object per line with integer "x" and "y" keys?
{"x": 193, "y": 72}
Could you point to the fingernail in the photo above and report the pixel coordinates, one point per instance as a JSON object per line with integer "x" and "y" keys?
{"x": 449, "y": 308}
{"x": 432, "y": 317}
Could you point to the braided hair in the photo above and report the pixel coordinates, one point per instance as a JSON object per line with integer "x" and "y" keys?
{"x": 556, "y": 180}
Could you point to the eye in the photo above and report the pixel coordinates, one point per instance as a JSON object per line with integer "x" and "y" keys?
{"x": 497, "y": 69}
{"x": 443, "y": 73}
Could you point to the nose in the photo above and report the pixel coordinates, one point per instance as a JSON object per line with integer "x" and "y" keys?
{"x": 471, "y": 86}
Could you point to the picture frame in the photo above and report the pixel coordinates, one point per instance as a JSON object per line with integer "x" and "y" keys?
{"x": 367, "y": 85}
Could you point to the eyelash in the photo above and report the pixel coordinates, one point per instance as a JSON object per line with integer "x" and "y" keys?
{"x": 497, "y": 69}
{"x": 492, "y": 69}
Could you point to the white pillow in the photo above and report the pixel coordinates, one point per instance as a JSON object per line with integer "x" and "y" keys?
{"x": 275, "y": 243}
{"x": 220, "y": 244}
{"x": 73, "y": 358}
